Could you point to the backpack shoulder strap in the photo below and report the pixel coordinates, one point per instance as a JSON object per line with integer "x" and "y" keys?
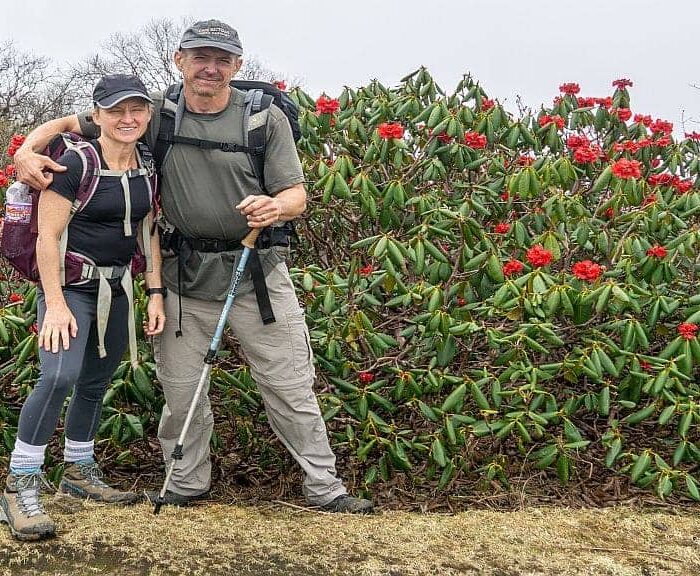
{"x": 255, "y": 118}
{"x": 88, "y": 184}
{"x": 92, "y": 168}
{"x": 168, "y": 124}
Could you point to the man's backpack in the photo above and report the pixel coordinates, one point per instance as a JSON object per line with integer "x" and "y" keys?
{"x": 18, "y": 242}
{"x": 258, "y": 98}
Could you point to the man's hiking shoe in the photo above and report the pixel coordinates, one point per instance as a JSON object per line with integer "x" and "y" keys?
{"x": 349, "y": 505}
{"x": 21, "y": 509}
{"x": 175, "y": 499}
{"x": 84, "y": 480}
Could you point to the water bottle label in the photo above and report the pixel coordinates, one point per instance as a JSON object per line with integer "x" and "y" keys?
{"x": 18, "y": 213}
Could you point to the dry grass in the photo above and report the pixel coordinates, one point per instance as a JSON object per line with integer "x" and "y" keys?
{"x": 279, "y": 540}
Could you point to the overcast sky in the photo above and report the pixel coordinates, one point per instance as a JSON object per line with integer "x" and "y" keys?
{"x": 513, "y": 47}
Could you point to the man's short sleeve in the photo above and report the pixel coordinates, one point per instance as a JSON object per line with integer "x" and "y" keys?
{"x": 88, "y": 128}
{"x": 282, "y": 165}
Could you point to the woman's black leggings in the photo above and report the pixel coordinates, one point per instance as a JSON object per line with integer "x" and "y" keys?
{"x": 79, "y": 369}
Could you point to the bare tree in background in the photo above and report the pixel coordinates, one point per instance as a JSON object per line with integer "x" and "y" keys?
{"x": 33, "y": 89}
{"x": 30, "y": 90}
{"x": 148, "y": 53}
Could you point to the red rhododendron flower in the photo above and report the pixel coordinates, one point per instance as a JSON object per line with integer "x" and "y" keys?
{"x": 610, "y": 213}
{"x": 389, "y": 130}
{"x": 366, "y": 270}
{"x": 687, "y": 330}
{"x": 444, "y": 138}
{"x": 585, "y": 102}
{"x": 585, "y": 154}
{"x": 575, "y": 141}
{"x": 682, "y": 185}
{"x": 538, "y": 256}
{"x": 34, "y": 329}
{"x": 604, "y": 102}
{"x": 14, "y": 297}
{"x": 475, "y": 140}
{"x": 512, "y": 267}
{"x": 657, "y": 252}
{"x": 587, "y": 270}
{"x": 663, "y": 141}
{"x": 692, "y": 135}
{"x": 501, "y": 228}
{"x": 366, "y": 377}
{"x": 10, "y": 170}
{"x": 662, "y": 179}
{"x": 15, "y": 142}
{"x": 487, "y": 104}
{"x": 3, "y": 179}
{"x": 326, "y": 105}
{"x": 281, "y": 84}
{"x": 661, "y": 127}
{"x": 627, "y": 169}
{"x": 622, "y": 83}
{"x": 629, "y": 146}
{"x": 569, "y": 88}
{"x": 525, "y": 160}
{"x": 623, "y": 114}
{"x": 642, "y": 119}
{"x": 546, "y": 119}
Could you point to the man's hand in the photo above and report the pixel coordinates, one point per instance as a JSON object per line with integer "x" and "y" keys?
{"x": 34, "y": 169}
{"x": 261, "y": 210}
{"x": 156, "y": 315}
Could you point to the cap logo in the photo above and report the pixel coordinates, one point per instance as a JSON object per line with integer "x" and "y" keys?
{"x": 214, "y": 31}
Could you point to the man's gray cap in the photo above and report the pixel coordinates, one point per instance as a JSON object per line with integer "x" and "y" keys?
{"x": 212, "y": 34}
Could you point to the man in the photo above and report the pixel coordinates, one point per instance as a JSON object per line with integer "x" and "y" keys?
{"x": 200, "y": 189}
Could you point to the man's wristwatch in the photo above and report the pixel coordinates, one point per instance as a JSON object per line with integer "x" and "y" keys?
{"x": 162, "y": 290}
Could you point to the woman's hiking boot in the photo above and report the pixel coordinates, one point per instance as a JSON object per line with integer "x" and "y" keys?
{"x": 84, "y": 480}
{"x": 21, "y": 509}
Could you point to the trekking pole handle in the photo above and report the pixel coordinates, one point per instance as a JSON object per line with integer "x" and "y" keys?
{"x": 251, "y": 237}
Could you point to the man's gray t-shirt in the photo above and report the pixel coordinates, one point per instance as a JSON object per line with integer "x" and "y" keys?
{"x": 200, "y": 188}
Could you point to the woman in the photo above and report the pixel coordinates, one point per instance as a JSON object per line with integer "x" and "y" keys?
{"x": 77, "y": 351}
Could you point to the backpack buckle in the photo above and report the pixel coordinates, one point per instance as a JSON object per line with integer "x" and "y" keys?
{"x": 208, "y": 245}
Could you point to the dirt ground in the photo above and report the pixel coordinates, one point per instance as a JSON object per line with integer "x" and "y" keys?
{"x": 276, "y": 539}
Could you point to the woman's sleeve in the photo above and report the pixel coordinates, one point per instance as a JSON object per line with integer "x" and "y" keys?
{"x": 66, "y": 183}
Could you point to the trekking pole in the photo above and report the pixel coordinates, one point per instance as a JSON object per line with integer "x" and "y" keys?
{"x": 248, "y": 244}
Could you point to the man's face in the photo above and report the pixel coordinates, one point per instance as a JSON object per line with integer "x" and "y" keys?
{"x": 207, "y": 71}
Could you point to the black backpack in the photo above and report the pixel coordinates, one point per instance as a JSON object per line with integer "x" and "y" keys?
{"x": 258, "y": 97}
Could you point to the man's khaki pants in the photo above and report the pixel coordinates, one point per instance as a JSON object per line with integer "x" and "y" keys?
{"x": 279, "y": 355}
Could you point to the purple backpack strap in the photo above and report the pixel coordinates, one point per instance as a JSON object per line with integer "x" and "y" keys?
{"x": 89, "y": 180}
{"x": 91, "y": 168}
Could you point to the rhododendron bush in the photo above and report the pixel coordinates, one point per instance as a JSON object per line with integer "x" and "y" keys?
{"x": 490, "y": 298}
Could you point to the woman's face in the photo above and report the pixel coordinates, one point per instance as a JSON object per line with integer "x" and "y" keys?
{"x": 124, "y": 122}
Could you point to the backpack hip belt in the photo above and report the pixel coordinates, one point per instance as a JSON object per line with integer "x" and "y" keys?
{"x": 173, "y": 239}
